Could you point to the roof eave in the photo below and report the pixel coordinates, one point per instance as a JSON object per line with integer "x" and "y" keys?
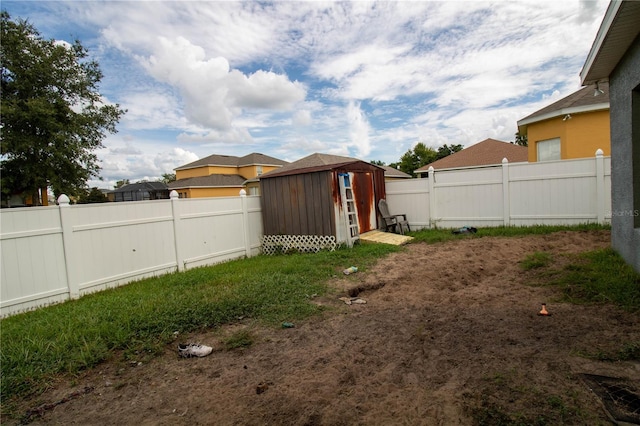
{"x": 616, "y": 33}
{"x": 564, "y": 111}
{"x": 259, "y": 164}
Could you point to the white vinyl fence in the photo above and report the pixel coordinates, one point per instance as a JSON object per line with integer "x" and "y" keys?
{"x": 520, "y": 194}
{"x": 52, "y": 254}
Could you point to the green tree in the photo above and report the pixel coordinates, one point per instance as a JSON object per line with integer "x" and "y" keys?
{"x": 121, "y": 183}
{"x": 92, "y": 196}
{"x": 521, "y": 139}
{"x": 168, "y": 178}
{"x": 446, "y": 150}
{"x": 415, "y": 158}
{"x": 52, "y": 117}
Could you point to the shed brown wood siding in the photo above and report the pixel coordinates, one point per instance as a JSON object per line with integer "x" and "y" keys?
{"x": 299, "y": 204}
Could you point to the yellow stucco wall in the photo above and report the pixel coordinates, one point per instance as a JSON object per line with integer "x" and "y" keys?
{"x": 205, "y": 171}
{"x": 209, "y": 192}
{"x": 248, "y": 172}
{"x": 251, "y": 172}
{"x": 580, "y": 136}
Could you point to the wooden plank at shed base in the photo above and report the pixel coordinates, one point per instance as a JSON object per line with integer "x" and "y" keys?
{"x": 385, "y": 237}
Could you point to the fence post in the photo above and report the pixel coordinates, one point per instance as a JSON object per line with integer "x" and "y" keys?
{"x": 173, "y": 195}
{"x": 245, "y": 222}
{"x": 506, "y": 196}
{"x": 432, "y": 197}
{"x": 67, "y": 243}
{"x": 600, "y": 196}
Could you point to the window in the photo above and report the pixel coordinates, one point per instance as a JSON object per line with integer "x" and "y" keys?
{"x": 259, "y": 170}
{"x": 548, "y": 150}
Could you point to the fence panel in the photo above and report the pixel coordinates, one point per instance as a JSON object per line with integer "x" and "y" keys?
{"x": 522, "y": 194}
{"x": 558, "y": 193}
{"x": 468, "y": 196}
{"x": 211, "y": 230}
{"x": 33, "y": 266}
{"x": 410, "y": 197}
{"x": 51, "y": 254}
{"x": 113, "y": 243}
{"x": 255, "y": 231}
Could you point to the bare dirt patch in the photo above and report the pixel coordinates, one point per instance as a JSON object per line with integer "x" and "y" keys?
{"x": 449, "y": 335}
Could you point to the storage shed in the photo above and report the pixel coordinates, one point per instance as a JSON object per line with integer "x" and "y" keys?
{"x": 319, "y": 201}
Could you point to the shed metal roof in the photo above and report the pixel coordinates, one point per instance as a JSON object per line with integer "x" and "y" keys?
{"x": 313, "y": 163}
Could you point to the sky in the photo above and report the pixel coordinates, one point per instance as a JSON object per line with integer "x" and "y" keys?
{"x": 362, "y": 79}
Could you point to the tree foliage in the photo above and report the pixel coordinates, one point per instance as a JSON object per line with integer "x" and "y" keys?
{"x": 168, "y": 178}
{"x": 446, "y": 150}
{"x": 416, "y": 158}
{"x": 521, "y": 139}
{"x": 121, "y": 183}
{"x": 53, "y": 117}
{"x": 92, "y": 196}
{"x": 421, "y": 155}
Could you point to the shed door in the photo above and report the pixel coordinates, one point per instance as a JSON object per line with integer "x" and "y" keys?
{"x": 364, "y": 196}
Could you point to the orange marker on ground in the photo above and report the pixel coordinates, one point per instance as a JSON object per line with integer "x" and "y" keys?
{"x": 544, "y": 311}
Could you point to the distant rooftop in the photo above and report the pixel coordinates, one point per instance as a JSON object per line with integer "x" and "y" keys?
{"x": 233, "y": 161}
{"x": 141, "y": 186}
{"x": 487, "y": 152}
{"x": 390, "y": 172}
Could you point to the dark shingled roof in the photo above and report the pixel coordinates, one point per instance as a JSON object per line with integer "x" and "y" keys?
{"x": 487, "y": 152}
{"x": 390, "y": 172}
{"x": 311, "y": 163}
{"x": 142, "y": 186}
{"x": 233, "y": 161}
{"x": 208, "y": 181}
{"x": 582, "y": 100}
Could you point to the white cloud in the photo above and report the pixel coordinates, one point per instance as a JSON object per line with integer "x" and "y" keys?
{"x": 291, "y": 78}
{"x": 302, "y": 118}
{"x": 265, "y": 90}
{"x": 212, "y": 93}
{"x": 169, "y": 160}
{"x": 359, "y": 129}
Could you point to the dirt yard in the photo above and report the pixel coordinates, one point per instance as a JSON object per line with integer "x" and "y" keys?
{"x": 449, "y": 335}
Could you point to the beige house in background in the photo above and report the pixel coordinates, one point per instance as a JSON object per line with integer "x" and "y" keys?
{"x": 573, "y": 127}
{"x": 223, "y": 175}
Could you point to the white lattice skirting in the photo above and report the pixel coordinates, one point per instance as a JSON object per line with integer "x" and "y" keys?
{"x": 272, "y": 244}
